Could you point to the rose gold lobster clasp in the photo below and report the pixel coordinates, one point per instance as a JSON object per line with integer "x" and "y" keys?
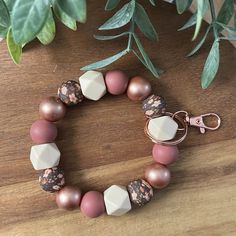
{"x": 198, "y": 121}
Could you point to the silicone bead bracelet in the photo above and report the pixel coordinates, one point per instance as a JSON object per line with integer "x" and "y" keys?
{"x": 162, "y": 127}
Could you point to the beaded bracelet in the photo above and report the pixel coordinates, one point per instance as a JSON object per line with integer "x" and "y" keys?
{"x": 165, "y": 129}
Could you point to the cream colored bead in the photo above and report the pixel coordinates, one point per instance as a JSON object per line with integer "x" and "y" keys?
{"x": 44, "y": 156}
{"x": 92, "y": 85}
{"x": 162, "y": 128}
{"x": 117, "y": 200}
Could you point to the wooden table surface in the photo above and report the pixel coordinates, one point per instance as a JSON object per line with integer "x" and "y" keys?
{"x": 104, "y": 143}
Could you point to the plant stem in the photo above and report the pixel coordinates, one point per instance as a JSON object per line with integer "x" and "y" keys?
{"x": 213, "y": 15}
{"x": 131, "y": 31}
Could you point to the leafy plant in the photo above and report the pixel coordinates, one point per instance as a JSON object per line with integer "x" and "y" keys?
{"x": 131, "y": 13}
{"x": 218, "y": 23}
{"x": 23, "y": 21}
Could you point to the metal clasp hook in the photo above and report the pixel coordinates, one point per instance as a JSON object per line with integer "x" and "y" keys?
{"x": 198, "y": 121}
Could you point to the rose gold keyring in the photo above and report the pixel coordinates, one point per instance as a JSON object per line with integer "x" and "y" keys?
{"x": 184, "y": 128}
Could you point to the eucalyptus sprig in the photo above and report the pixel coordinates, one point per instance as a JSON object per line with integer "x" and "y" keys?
{"x": 134, "y": 14}
{"x": 218, "y": 23}
{"x": 22, "y": 21}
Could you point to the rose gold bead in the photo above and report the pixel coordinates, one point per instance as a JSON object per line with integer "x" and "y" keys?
{"x": 138, "y": 89}
{"x": 68, "y": 198}
{"x": 52, "y": 109}
{"x": 157, "y": 175}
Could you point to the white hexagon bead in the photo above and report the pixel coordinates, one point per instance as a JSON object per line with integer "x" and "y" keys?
{"x": 117, "y": 200}
{"x": 93, "y": 85}
{"x": 162, "y": 128}
{"x": 44, "y": 156}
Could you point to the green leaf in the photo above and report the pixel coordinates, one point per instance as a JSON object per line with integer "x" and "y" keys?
{"x": 10, "y": 4}
{"x": 3, "y": 32}
{"x": 28, "y": 18}
{"x": 121, "y": 18}
{"x": 108, "y": 37}
{"x": 153, "y": 2}
{"x": 230, "y": 38}
{"x": 202, "y": 5}
{"x": 183, "y": 5}
{"x": 191, "y": 22}
{"x": 143, "y": 22}
{"x": 14, "y": 49}
{"x": 146, "y": 58}
{"x": 199, "y": 45}
{"x": 229, "y": 29}
{"x": 77, "y": 9}
{"x": 4, "y": 15}
{"x": 63, "y": 17}
{"x": 211, "y": 65}
{"x": 235, "y": 19}
{"x": 144, "y": 63}
{"x": 111, "y": 4}
{"x": 105, "y": 62}
{"x": 225, "y": 13}
{"x": 47, "y": 33}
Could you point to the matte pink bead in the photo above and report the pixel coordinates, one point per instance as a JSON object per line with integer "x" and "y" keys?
{"x": 165, "y": 154}
{"x": 116, "y": 81}
{"x": 43, "y": 131}
{"x": 92, "y": 204}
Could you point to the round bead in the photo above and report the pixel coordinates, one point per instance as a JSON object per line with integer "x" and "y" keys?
{"x": 165, "y": 154}
{"x": 116, "y": 81}
{"x": 154, "y": 106}
{"x": 43, "y": 131}
{"x": 138, "y": 89}
{"x": 70, "y": 93}
{"x": 157, "y": 175}
{"x": 52, "y": 180}
{"x": 92, "y": 204}
{"x": 140, "y": 192}
{"x": 52, "y": 109}
{"x": 68, "y": 198}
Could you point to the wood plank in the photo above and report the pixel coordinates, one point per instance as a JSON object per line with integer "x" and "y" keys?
{"x": 104, "y": 143}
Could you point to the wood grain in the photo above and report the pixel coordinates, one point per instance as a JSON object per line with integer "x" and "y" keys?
{"x": 104, "y": 143}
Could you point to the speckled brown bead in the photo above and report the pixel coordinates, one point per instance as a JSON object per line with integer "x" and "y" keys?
{"x": 70, "y": 93}
{"x": 154, "y": 106}
{"x": 52, "y": 180}
{"x": 140, "y": 192}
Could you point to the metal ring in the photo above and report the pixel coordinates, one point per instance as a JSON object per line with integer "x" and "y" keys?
{"x": 173, "y": 141}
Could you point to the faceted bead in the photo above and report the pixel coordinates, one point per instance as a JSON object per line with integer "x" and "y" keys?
{"x": 162, "y": 128}
{"x": 52, "y": 179}
{"x": 154, "y": 106}
{"x": 92, "y": 204}
{"x": 70, "y": 93}
{"x": 140, "y": 192}
{"x": 44, "y": 156}
{"x": 117, "y": 200}
{"x": 43, "y": 131}
{"x": 92, "y": 85}
{"x": 165, "y": 154}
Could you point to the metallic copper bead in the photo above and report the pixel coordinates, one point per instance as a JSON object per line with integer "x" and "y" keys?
{"x": 68, "y": 198}
{"x": 138, "y": 89}
{"x": 52, "y": 109}
{"x": 157, "y": 175}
